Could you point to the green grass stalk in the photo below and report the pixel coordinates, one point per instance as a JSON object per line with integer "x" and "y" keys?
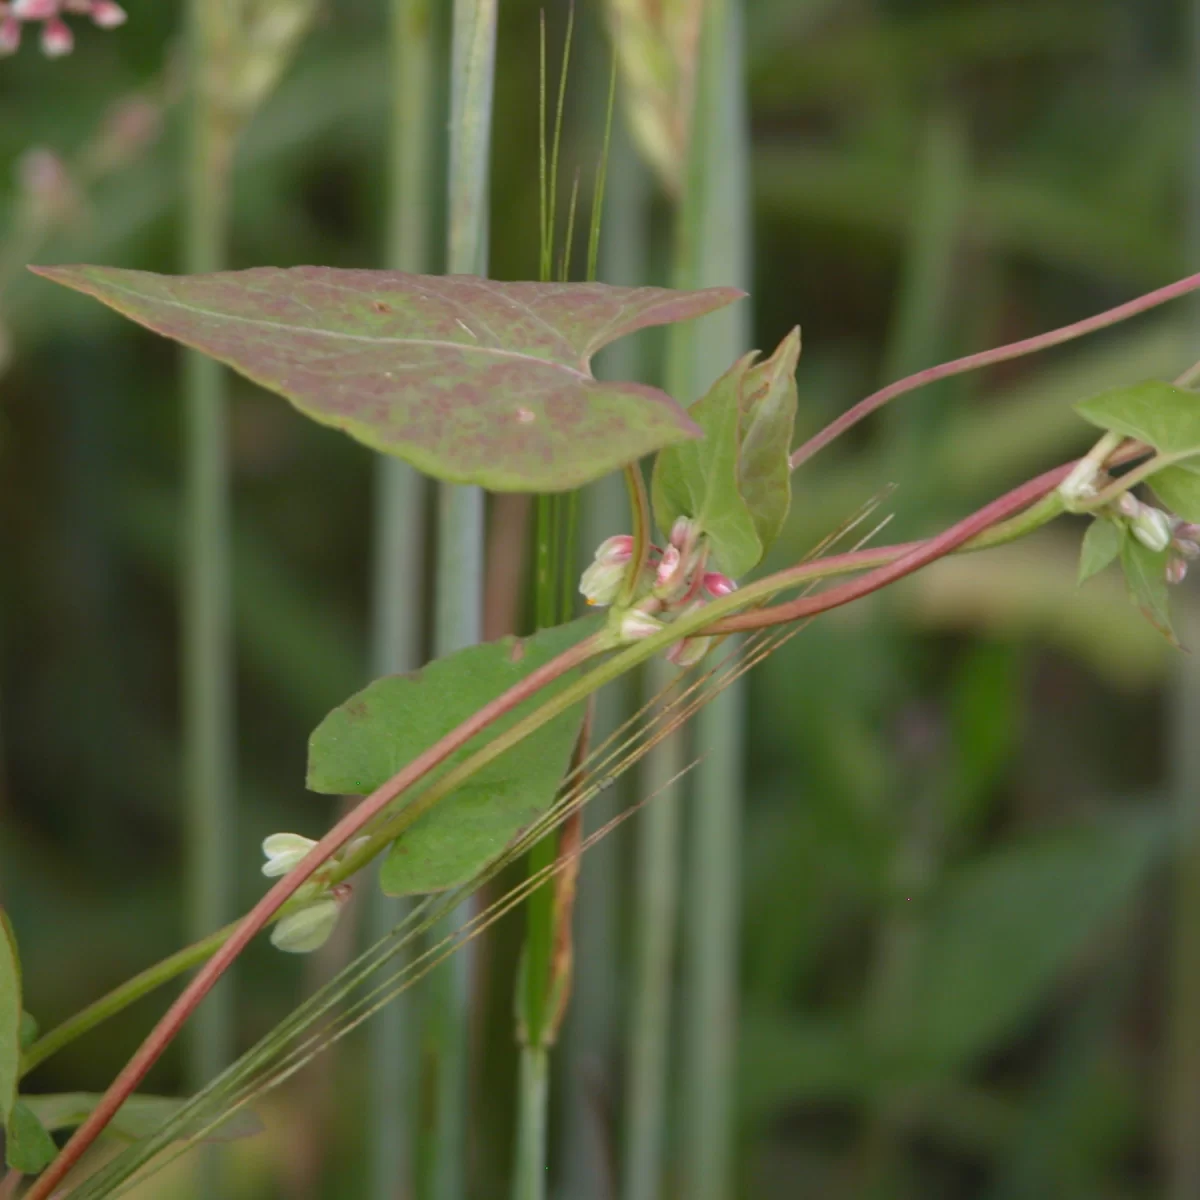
{"x": 400, "y": 523}
{"x": 717, "y": 214}
{"x": 656, "y": 908}
{"x": 1181, "y": 1059}
{"x": 589, "y": 1035}
{"x": 208, "y": 714}
{"x": 458, "y": 617}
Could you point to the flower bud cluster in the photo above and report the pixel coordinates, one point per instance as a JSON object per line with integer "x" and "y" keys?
{"x": 1158, "y": 531}
{"x": 672, "y": 582}
{"x": 56, "y": 36}
{"x": 308, "y": 927}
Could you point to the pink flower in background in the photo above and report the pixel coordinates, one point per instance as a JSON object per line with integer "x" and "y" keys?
{"x": 56, "y": 36}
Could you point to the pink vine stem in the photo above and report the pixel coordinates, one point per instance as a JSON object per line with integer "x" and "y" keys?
{"x": 257, "y": 918}
{"x": 986, "y": 358}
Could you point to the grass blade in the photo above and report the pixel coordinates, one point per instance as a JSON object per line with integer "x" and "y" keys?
{"x": 459, "y": 581}
{"x": 207, "y": 644}
{"x": 399, "y": 559}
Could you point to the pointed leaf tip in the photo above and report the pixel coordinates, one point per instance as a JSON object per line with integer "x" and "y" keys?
{"x": 471, "y": 380}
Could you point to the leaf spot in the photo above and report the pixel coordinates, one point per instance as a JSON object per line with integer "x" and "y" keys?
{"x": 525, "y": 415}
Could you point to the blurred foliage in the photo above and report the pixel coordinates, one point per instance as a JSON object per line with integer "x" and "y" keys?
{"x": 954, "y": 926}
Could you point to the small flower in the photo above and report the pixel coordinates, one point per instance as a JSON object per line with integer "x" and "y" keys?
{"x": 716, "y": 584}
{"x": 681, "y": 533}
{"x": 284, "y": 851}
{"x": 688, "y": 651}
{"x": 601, "y": 582}
{"x": 668, "y": 568}
{"x": 618, "y": 549}
{"x": 34, "y": 10}
{"x": 308, "y": 928}
{"x": 1186, "y": 547}
{"x": 57, "y": 38}
{"x": 1128, "y": 505}
{"x": 1152, "y": 527}
{"x": 1176, "y": 570}
{"x": 108, "y": 15}
{"x": 636, "y": 625}
{"x": 10, "y": 35}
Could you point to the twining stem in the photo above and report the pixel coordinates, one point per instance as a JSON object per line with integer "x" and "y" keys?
{"x": 987, "y": 358}
{"x": 997, "y": 531}
{"x": 639, "y": 509}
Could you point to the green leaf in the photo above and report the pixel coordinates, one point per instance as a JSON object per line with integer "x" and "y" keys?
{"x": 1101, "y": 546}
{"x": 768, "y": 417}
{"x": 138, "y": 1117}
{"x": 471, "y": 380}
{"x": 10, "y": 1018}
{"x": 1146, "y": 576}
{"x": 700, "y": 479}
{"x": 1003, "y": 931}
{"x": 1178, "y": 487}
{"x": 28, "y": 1148}
{"x": 368, "y": 739}
{"x": 29, "y": 1030}
{"x": 1159, "y": 414}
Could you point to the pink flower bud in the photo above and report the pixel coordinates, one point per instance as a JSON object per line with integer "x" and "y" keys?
{"x": 669, "y": 565}
{"x": 1176, "y": 570}
{"x": 108, "y": 15}
{"x": 57, "y": 39}
{"x": 680, "y": 532}
{"x": 1186, "y": 529}
{"x": 617, "y": 549}
{"x": 688, "y": 651}
{"x": 10, "y": 35}
{"x": 34, "y": 10}
{"x": 716, "y": 584}
{"x": 1187, "y": 548}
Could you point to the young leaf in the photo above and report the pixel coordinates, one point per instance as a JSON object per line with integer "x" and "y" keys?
{"x": 1159, "y": 414}
{"x": 700, "y": 479}
{"x": 28, "y": 1148}
{"x": 1101, "y": 545}
{"x": 1146, "y": 576}
{"x": 768, "y": 417}
{"x": 1178, "y": 487}
{"x": 470, "y": 380}
{"x": 369, "y": 738}
{"x": 10, "y": 1018}
{"x": 137, "y": 1118}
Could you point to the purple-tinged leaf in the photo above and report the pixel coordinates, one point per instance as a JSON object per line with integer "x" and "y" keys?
{"x": 471, "y": 380}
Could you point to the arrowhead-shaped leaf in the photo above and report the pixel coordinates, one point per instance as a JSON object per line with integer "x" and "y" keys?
{"x": 1146, "y": 576}
{"x": 1178, "y": 487}
{"x": 10, "y": 1018}
{"x": 368, "y": 739}
{"x": 1159, "y": 414}
{"x": 1101, "y": 545}
{"x": 471, "y": 380}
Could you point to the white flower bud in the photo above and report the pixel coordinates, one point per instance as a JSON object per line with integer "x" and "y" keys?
{"x": 636, "y": 625}
{"x": 688, "y": 651}
{"x": 1128, "y": 505}
{"x": 601, "y": 582}
{"x": 1152, "y": 527}
{"x": 308, "y": 928}
{"x": 284, "y": 851}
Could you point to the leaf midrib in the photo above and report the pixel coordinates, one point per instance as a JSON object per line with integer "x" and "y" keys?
{"x": 586, "y": 376}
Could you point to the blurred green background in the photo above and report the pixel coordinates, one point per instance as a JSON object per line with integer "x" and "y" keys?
{"x": 967, "y": 930}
